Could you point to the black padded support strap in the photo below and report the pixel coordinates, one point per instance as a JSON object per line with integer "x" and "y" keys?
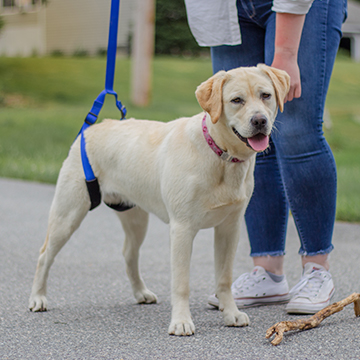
{"x": 94, "y": 193}
{"x": 95, "y": 197}
{"x": 120, "y": 207}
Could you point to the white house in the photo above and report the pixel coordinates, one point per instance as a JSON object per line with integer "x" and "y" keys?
{"x": 351, "y": 29}
{"x": 68, "y": 26}
{"x": 45, "y": 26}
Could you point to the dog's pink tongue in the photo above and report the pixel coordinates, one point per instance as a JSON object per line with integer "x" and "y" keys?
{"x": 259, "y": 142}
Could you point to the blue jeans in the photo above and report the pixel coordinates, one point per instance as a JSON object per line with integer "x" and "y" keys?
{"x": 298, "y": 172}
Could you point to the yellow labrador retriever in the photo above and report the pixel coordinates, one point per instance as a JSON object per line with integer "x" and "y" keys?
{"x": 193, "y": 173}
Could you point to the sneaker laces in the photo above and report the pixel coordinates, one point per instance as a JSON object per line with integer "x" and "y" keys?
{"x": 309, "y": 285}
{"x": 245, "y": 281}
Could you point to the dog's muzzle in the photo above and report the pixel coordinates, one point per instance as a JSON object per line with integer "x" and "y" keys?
{"x": 259, "y": 141}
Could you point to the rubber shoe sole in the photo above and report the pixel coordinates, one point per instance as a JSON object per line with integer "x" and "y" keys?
{"x": 243, "y": 303}
{"x": 295, "y": 307}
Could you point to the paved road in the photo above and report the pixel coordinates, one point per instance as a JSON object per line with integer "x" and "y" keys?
{"x": 92, "y": 313}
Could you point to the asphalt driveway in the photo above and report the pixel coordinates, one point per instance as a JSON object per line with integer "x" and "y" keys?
{"x": 93, "y": 315}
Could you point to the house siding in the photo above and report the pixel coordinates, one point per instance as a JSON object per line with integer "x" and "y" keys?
{"x": 83, "y": 25}
{"x": 23, "y": 35}
{"x": 67, "y": 26}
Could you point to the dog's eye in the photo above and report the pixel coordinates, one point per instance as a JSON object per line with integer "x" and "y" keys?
{"x": 238, "y": 100}
{"x": 265, "y": 96}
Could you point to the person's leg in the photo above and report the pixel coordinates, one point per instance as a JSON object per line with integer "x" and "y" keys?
{"x": 335, "y": 15}
{"x": 306, "y": 165}
{"x": 306, "y": 162}
{"x": 251, "y": 50}
{"x": 305, "y": 159}
{"x": 265, "y": 239}
{"x": 272, "y": 264}
{"x": 266, "y": 221}
{"x": 262, "y": 285}
{"x": 267, "y": 214}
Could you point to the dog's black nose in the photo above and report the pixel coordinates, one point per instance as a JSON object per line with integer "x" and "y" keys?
{"x": 259, "y": 121}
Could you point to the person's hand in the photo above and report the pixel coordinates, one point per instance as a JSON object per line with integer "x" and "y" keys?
{"x": 288, "y": 63}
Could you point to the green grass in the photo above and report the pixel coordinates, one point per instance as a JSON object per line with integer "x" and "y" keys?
{"x": 343, "y": 104}
{"x": 43, "y": 102}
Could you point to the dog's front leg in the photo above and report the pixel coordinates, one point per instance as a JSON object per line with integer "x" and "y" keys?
{"x": 181, "y": 239}
{"x": 226, "y": 240}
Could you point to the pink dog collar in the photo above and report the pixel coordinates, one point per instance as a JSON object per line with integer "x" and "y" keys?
{"x": 223, "y": 154}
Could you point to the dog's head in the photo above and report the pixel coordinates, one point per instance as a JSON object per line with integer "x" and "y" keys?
{"x": 245, "y": 101}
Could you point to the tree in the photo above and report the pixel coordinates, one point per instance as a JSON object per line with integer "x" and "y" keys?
{"x": 172, "y": 33}
{"x": 2, "y": 23}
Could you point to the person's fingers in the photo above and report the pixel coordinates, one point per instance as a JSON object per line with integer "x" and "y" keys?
{"x": 294, "y": 92}
{"x": 290, "y": 94}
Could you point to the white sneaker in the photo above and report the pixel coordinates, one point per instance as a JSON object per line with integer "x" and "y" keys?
{"x": 313, "y": 292}
{"x": 255, "y": 289}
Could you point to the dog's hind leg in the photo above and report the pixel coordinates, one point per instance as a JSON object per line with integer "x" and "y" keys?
{"x": 70, "y": 205}
{"x": 134, "y": 222}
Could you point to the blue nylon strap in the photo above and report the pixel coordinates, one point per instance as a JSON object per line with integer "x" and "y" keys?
{"x": 88, "y": 171}
{"x": 112, "y": 44}
{"x": 109, "y": 83}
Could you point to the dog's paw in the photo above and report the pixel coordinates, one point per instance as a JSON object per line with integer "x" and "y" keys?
{"x": 145, "y": 297}
{"x": 236, "y": 319}
{"x": 38, "y": 303}
{"x": 182, "y": 328}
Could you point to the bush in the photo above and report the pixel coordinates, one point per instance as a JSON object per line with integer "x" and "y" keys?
{"x": 80, "y": 53}
{"x": 2, "y": 22}
{"x": 57, "y": 53}
{"x": 101, "y": 52}
{"x": 172, "y": 32}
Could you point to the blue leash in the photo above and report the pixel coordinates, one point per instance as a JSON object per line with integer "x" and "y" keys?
{"x": 91, "y": 180}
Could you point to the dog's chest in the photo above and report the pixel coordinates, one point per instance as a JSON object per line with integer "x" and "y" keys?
{"x": 216, "y": 214}
{"x": 229, "y": 195}
{"x": 220, "y": 204}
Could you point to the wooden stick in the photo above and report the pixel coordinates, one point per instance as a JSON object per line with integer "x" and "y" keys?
{"x": 304, "y": 324}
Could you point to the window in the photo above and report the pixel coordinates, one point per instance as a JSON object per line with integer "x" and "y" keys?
{"x": 8, "y": 3}
{"x": 20, "y": 5}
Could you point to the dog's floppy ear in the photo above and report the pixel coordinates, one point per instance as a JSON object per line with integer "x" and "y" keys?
{"x": 209, "y": 95}
{"x": 280, "y": 80}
